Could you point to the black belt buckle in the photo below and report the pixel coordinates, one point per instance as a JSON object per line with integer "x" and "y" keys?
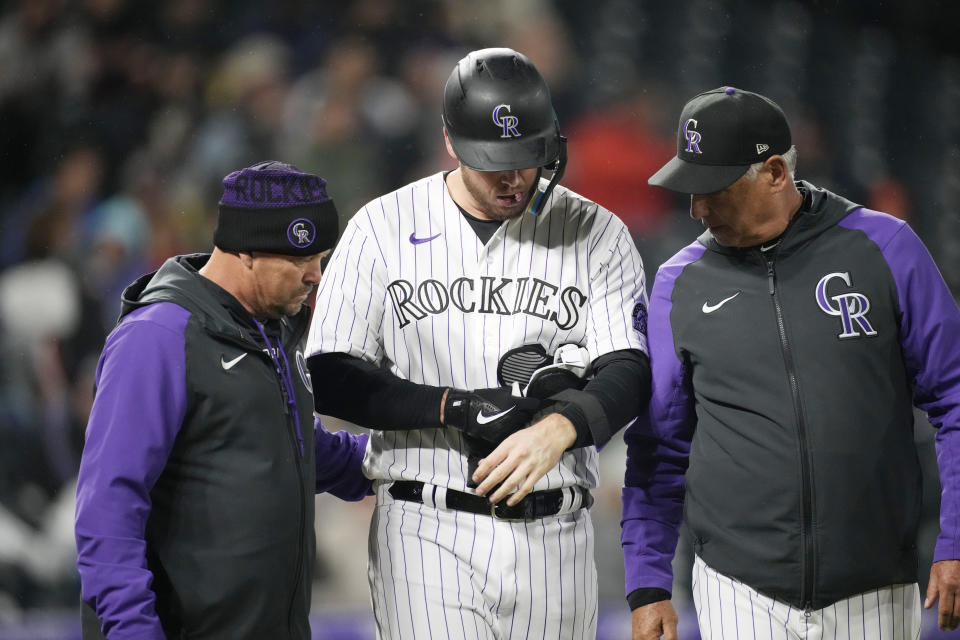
{"x": 524, "y": 510}
{"x": 541, "y": 504}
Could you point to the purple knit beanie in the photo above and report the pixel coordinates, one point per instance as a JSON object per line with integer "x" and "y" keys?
{"x": 276, "y": 208}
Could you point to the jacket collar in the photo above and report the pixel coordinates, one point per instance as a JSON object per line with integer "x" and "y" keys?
{"x": 821, "y": 210}
{"x": 178, "y": 280}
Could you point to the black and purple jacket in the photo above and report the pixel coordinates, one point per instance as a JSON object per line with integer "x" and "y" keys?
{"x": 781, "y": 421}
{"x": 195, "y": 500}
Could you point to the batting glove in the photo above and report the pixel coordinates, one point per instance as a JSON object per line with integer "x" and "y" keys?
{"x": 490, "y": 414}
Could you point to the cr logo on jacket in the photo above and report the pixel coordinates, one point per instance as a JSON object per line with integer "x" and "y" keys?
{"x": 852, "y": 307}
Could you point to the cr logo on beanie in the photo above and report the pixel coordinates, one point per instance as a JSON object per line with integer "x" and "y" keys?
{"x": 275, "y": 208}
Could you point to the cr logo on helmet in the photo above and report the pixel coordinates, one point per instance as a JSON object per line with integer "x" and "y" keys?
{"x": 509, "y": 123}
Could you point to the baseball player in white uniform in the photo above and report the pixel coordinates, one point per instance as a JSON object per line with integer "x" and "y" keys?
{"x": 439, "y": 303}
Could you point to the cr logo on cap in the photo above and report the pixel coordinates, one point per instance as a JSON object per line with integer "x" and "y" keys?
{"x": 301, "y": 233}
{"x": 509, "y": 123}
{"x": 692, "y": 136}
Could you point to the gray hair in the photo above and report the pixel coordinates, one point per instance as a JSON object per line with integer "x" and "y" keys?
{"x": 789, "y": 156}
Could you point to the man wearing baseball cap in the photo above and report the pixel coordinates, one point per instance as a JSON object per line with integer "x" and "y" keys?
{"x": 195, "y": 504}
{"x": 790, "y": 344}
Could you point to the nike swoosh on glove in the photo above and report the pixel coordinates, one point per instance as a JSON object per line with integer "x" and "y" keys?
{"x": 489, "y": 414}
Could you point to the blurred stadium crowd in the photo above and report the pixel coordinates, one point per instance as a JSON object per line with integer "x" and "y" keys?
{"x": 118, "y": 119}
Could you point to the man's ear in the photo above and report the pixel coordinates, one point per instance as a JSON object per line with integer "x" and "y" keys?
{"x": 446, "y": 141}
{"x": 246, "y": 259}
{"x": 778, "y": 173}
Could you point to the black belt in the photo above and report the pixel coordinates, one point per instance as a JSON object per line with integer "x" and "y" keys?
{"x": 539, "y": 504}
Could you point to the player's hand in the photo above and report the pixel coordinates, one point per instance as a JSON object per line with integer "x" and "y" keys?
{"x": 654, "y": 621}
{"x": 488, "y": 414}
{"x": 524, "y": 458}
{"x": 944, "y": 585}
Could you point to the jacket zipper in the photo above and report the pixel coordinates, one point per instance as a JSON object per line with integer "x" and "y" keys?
{"x": 296, "y": 575}
{"x": 296, "y": 444}
{"x": 298, "y": 460}
{"x": 808, "y": 577}
{"x": 291, "y": 419}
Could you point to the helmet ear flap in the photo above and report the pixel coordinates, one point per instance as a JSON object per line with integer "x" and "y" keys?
{"x": 558, "y": 166}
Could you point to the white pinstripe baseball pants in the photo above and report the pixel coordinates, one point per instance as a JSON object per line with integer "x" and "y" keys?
{"x": 727, "y": 609}
{"x": 438, "y": 573}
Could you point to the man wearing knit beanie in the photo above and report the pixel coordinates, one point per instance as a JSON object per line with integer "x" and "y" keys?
{"x": 195, "y": 501}
{"x": 276, "y": 224}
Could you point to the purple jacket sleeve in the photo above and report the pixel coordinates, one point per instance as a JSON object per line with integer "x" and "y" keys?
{"x": 340, "y": 463}
{"x": 930, "y": 342}
{"x": 658, "y": 447}
{"x": 136, "y": 415}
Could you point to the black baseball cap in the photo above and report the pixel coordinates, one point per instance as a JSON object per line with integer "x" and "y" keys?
{"x": 721, "y": 133}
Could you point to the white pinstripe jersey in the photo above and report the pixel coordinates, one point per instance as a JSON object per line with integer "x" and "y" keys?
{"x": 411, "y": 287}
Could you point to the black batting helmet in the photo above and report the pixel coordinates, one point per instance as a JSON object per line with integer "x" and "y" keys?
{"x": 498, "y": 115}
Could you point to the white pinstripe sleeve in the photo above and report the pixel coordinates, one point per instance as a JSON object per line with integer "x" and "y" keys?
{"x": 618, "y": 295}
{"x": 348, "y": 314}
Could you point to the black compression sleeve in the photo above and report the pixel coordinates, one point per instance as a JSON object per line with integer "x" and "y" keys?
{"x": 355, "y": 390}
{"x": 619, "y": 389}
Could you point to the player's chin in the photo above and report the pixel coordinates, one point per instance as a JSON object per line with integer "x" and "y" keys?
{"x": 507, "y": 210}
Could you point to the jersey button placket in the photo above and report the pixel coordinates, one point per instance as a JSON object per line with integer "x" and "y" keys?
{"x": 491, "y": 323}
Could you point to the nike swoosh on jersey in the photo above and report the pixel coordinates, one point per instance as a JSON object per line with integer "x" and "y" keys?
{"x": 710, "y": 308}
{"x": 415, "y": 240}
{"x": 229, "y": 364}
{"x": 482, "y": 419}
